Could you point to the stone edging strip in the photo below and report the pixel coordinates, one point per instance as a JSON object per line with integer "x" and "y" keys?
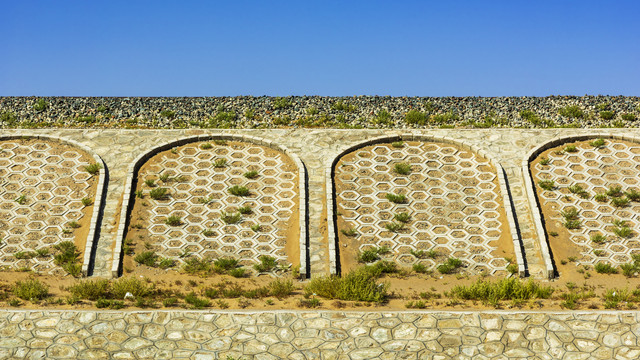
{"x": 536, "y": 212}
{"x": 506, "y": 195}
{"x": 127, "y": 201}
{"x": 101, "y": 189}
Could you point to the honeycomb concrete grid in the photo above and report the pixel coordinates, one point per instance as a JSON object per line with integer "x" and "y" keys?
{"x": 54, "y": 185}
{"x": 595, "y": 170}
{"x": 454, "y": 195}
{"x": 273, "y": 200}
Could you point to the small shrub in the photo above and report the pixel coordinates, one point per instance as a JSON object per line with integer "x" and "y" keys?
{"x": 245, "y": 210}
{"x": 309, "y": 303}
{"x": 255, "y": 228}
{"x": 397, "y": 144}
{"x": 605, "y": 268}
{"x": 572, "y": 112}
{"x": 169, "y": 114}
{"x": 396, "y": 199}
{"x": 343, "y": 106}
{"x": 194, "y": 266}
{"x": 251, "y": 174}
{"x": 267, "y": 263}
{"x": 137, "y": 287}
{"x": 372, "y": 254}
{"x": 607, "y": 115}
{"x": 450, "y": 266}
{"x": 632, "y": 195}
{"x": 237, "y": 190}
{"x": 570, "y": 148}
{"x": 164, "y": 178}
{"x": 569, "y": 213}
{"x": 237, "y": 272}
{"x": 547, "y": 184}
{"x": 422, "y": 254}
{"x": 150, "y": 182}
{"x": 628, "y": 269}
{"x": 628, "y": 117}
{"x": 230, "y": 218}
{"x": 619, "y": 201}
{"x": 601, "y": 197}
{"x": 196, "y": 302}
{"x": 170, "y": 302}
{"x": 220, "y": 163}
{"x": 91, "y": 289}
{"x": 512, "y": 268}
{"x": 31, "y": 289}
{"x": 598, "y": 238}
{"x": 166, "y": 263}
{"x": 87, "y": 201}
{"x": 420, "y": 268}
{"x": 281, "y": 103}
{"x": 572, "y": 224}
{"x": 402, "y": 168}
{"x": 578, "y": 190}
{"x": 506, "y": 289}
{"x": 148, "y": 258}
{"x": 281, "y": 288}
{"x": 93, "y": 169}
{"x": 415, "y": 117}
{"x": 173, "y": 220}
{"x": 599, "y": 252}
{"x": 614, "y": 191}
{"x": 222, "y": 265}
{"x": 40, "y": 105}
{"x": 418, "y": 304}
{"x": 597, "y": 143}
{"x": 402, "y": 217}
{"x": 158, "y": 193}
{"x": 621, "y": 229}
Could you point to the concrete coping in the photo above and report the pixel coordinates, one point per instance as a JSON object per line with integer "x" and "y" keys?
{"x": 504, "y": 190}
{"x": 536, "y": 211}
{"x": 98, "y": 196}
{"x": 127, "y": 202}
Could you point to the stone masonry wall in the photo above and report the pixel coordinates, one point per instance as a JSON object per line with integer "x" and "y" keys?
{"x": 317, "y": 335}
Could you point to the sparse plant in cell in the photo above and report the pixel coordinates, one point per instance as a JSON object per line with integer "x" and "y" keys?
{"x": 93, "y": 169}
{"x": 164, "y": 178}
{"x": 599, "y": 252}
{"x": 245, "y": 210}
{"x": 150, "y": 182}
{"x": 570, "y": 148}
{"x": 255, "y": 228}
{"x": 205, "y": 200}
{"x": 220, "y": 142}
{"x": 394, "y": 226}
{"x": 237, "y": 190}
{"x": 87, "y": 201}
{"x": 598, "y": 238}
{"x": 22, "y": 199}
{"x": 206, "y": 146}
{"x": 230, "y": 218}
{"x": 398, "y": 144}
{"x": 208, "y": 232}
{"x": 548, "y": 185}
{"x": 396, "y": 198}
{"x": 572, "y": 224}
{"x": 402, "y": 168}
{"x": 158, "y": 193}
{"x": 73, "y": 224}
{"x": 220, "y": 163}
{"x": 545, "y": 161}
{"x": 250, "y": 174}
{"x": 632, "y": 194}
{"x": 579, "y": 190}
{"x": 621, "y": 229}
{"x": 173, "y": 220}
{"x": 267, "y": 263}
{"x": 614, "y": 191}
{"x": 619, "y": 201}
{"x": 450, "y": 266}
{"x": 570, "y": 213}
{"x": 601, "y": 197}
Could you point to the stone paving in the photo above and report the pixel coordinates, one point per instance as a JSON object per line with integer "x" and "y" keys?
{"x": 453, "y": 204}
{"x": 318, "y": 335}
{"x": 594, "y": 171}
{"x": 41, "y": 192}
{"x": 198, "y": 193}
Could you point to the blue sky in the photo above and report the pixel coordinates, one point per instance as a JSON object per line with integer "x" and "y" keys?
{"x": 332, "y": 48}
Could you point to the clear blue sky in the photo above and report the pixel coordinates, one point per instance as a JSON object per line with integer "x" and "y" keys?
{"x": 337, "y": 48}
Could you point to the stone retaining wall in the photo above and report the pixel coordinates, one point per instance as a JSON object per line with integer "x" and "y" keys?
{"x": 183, "y": 112}
{"x": 318, "y": 335}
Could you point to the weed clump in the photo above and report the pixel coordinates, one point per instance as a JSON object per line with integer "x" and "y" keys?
{"x": 31, "y": 289}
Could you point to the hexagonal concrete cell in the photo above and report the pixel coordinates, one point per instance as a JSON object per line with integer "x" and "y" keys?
{"x": 441, "y": 215}
{"x": 584, "y": 180}
{"x": 210, "y": 223}
{"x": 43, "y": 184}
